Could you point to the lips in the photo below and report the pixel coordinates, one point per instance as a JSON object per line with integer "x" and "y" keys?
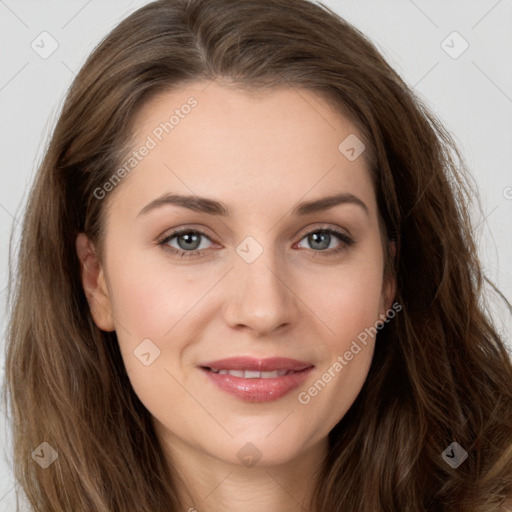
{"x": 257, "y": 380}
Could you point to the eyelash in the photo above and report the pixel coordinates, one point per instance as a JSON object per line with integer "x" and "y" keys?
{"x": 345, "y": 240}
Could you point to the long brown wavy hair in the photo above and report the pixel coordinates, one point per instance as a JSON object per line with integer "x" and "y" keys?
{"x": 440, "y": 372}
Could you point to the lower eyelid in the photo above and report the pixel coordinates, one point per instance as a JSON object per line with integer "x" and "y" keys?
{"x": 165, "y": 240}
{"x": 345, "y": 241}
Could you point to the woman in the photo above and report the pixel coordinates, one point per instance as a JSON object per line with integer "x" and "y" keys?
{"x": 255, "y": 369}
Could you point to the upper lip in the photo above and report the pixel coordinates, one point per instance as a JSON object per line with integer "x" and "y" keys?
{"x": 263, "y": 365}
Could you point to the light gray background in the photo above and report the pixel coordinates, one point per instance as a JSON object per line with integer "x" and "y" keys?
{"x": 471, "y": 94}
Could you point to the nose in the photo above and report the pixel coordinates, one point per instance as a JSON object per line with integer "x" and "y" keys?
{"x": 260, "y": 297}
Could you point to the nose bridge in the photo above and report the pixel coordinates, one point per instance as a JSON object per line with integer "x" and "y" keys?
{"x": 261, "y": 298}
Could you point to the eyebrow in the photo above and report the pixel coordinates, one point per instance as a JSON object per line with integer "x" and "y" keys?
{"x": 213, "y": 207}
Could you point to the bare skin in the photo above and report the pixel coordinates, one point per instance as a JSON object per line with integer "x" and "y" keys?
{"x": 261, "y": 154}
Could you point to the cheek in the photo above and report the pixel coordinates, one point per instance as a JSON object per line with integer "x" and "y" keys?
{"x": 155, "y": 303}
{"x": 348, "y": 303}
{"x": 148, "y": 299}
{"x": 348, "y": 300}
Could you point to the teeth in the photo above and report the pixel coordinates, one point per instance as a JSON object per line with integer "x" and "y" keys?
{"x": 274, "y": 374}
{"x": 251, "y": 374}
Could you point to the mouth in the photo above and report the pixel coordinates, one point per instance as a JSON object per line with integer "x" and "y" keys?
{"x": 254, "y": 364}
{"x": 251, "y": 374}
{"x": 256, "y": 386}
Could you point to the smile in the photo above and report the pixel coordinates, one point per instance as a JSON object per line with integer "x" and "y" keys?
{"x": 254, "y": 386}
{"x": 252, "y": 374}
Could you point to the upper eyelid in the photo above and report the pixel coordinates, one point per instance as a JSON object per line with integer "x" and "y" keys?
{"x": 180, "y": 231}
{"x": 302, "y": 232}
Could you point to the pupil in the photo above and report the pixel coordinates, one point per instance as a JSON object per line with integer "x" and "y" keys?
{"x": 189, "y": 238}
{"x": 319, "y": 235}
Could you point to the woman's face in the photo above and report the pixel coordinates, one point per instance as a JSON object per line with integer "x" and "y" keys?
{"x": 259, "y": 280}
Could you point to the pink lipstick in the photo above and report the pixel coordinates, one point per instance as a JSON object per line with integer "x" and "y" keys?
{"x": 257, "y": 380}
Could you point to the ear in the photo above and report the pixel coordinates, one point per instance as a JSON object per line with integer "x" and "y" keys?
{"x": 94, "y": 284}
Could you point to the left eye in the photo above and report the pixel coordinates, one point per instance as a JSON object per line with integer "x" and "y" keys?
{"x": 189, "y": 241}
{"x": 321, "y": 238}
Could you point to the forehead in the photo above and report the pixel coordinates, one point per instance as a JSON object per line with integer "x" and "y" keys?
{"x": 274, "y": 145}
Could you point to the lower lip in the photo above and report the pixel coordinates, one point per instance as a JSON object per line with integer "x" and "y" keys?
{"x": 258, "y": 390}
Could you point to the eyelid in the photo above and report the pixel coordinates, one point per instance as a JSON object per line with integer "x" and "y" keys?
{"x": 322, "y": 226}
{"x": 203, "y": 230}
{"x": 345, "y": 239}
